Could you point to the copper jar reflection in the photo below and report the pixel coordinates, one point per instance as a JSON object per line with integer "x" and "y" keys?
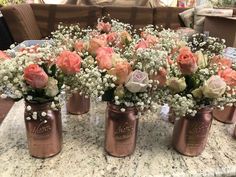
{"x": 121, "y": 130}
{"x": 228, "y": 115}
{"x": 44, "y": 132}
{"x": 190, "y": 133}
{"x": 78, "y": 104}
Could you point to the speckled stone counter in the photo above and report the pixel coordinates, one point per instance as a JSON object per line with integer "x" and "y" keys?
{"x": 83, "y": 154}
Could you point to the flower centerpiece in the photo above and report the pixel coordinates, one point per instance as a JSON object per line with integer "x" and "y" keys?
{"x": 113, "y": 69}
{"x": 194, "y": 86}
{"x": 33, "y": 75}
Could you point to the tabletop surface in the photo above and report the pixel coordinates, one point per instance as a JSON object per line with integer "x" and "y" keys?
{"x": 83, "y": 153}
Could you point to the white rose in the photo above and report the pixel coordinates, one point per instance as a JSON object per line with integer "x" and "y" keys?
{"x": 202, "y": 59}
{"x": 214, "y": 87}
{"x": 137, "y": 81}
{"x": 52, "y": 88}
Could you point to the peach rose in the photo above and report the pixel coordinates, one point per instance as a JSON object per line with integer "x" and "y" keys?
{"x": 187, "y": 61}
{"x": 69, "y": 62}
{"x": 151, "y": 40}
{"x": 141, "y": 45}
{"x": 4, "y": 56}
{"x": 104, "y": 27}
{"x": 79, "y": 46}
{"x": 104, "y": 57}
{"x": 125, "y": 37}
{"x": 94, "y": 44}
{"x": 35, "y": 76}
{"x": 160, "y": 77}
{"x": 221, "y": 62}
{"x": 111, "y": 37}
{"x": 121, "y": 71}
{"x": 229, "y": 76}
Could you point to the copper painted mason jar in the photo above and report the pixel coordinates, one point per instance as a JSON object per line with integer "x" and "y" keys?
{"x": 78, "y": 104}
{"x": 190, "y": 133}
{"x": 228, "y": 115}
{"x": 120, "y": 131}
{"x": 44, "y": 132}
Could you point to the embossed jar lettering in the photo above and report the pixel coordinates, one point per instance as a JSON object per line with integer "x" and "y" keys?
{"x": 190, "y": 133}
{"x": 44, "y": 133}
{"x": 121, "y": 131}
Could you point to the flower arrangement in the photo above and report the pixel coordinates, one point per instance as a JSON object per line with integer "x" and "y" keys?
{"x": 117, "y": 64}
{"x": 197, "y": 80}
{"x": 33, "y": 75}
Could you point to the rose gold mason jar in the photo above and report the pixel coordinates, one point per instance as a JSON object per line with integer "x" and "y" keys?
{"x": 190, "y": 133}
{"x": 44, "y": 133}
{"x": 78, "y": 104}
{"x": 121, "y": 130}
{"x": 228, "y": 115}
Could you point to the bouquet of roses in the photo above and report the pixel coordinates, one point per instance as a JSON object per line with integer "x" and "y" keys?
{"x": 32, "y": 74}
{"x": 197, "y": 80}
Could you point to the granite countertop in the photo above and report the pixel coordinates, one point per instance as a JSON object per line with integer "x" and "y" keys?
{"x": 83, "y": 154}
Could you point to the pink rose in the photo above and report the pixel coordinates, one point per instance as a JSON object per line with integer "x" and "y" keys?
{"x": 4, "y": 56}
{"x": 137, "y": 81}
{"x": 104, "y": 57}
{"x": 35, "y": 76}
{"x": 111, "y": 37}
{"x": 96, "y": 43}
{"x": 69, "y": 62}
{"x": 79, "y": 46}
{"x": 187, "y": 61}
{"x": 141, "y": 45}
{"x": 121, "y": 71}
{"x": 104, "y": 27}
{"x": 229, "y": 76}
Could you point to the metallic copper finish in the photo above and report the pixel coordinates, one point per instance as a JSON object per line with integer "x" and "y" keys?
{"x": 121, "y": 131}
{"x": 190, "y": 133}
{"x": 78, "y": 104}
{"x": 45, "y": 133}
{"x": 228, "y": 115}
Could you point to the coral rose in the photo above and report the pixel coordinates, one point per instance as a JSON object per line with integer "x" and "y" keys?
{"x": 187, "y": 61}
{"x": 104, "y": 27}
{"x": 79, "y": 46}
{"x": 121, "y": 71}
{"x": 111, "y": 37}
{"x": 4, "y": 56}
{"x": 96, "y": 43}
{"x": 229, "y": 76}
{"x": 35, "y": 76}
{"x": 221, "y": 62}
{"x": 141, "y": 45}
{"x": 69, "y": 62}
{"x": 104, "y": 57}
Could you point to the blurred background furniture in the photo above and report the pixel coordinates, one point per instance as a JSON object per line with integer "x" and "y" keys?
{"x": 36, "y": 21}
{"x": 222, "y": 27}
